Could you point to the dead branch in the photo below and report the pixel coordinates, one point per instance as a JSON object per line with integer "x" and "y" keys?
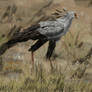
{"x": 85, "y": 58}
{"x": 40, "y": 12}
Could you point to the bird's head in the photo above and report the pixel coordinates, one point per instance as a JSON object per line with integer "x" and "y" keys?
{"x": 72, "y": 14}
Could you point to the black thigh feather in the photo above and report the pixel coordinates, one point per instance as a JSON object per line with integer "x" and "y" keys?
{"x": 38, "y": 44}
{"x": 51, "y": 47}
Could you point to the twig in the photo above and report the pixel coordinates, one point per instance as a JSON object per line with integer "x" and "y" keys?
{"x": 85, "y": 58}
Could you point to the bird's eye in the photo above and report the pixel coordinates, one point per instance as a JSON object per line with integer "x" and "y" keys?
{"x": 75, "y": 15}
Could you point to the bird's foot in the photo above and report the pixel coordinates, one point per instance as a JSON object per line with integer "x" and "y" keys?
{"x": 51, "y": 63}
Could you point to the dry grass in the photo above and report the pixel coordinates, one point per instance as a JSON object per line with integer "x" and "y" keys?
{"x": 40, "y": 81}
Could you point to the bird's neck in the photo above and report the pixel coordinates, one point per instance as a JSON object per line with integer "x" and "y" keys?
{"x": 68, "y": 19}
{"x": 69, "y": 22}
{"x": 65, "y": 19}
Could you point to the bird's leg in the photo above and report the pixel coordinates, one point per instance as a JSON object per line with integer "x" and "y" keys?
{"x": 51, "y": 65}
{"x": 51, "y": 47}
{"x": 50, "y": 61}
{"x": 32, "y": 56}
{"x": 36, "y": 46}
{"x": 32, "y": 60}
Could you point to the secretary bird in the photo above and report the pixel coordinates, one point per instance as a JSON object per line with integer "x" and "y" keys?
{"x": 50, "y": 30}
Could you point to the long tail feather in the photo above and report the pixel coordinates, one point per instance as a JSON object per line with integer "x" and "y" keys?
{"x": 26, "y": 35}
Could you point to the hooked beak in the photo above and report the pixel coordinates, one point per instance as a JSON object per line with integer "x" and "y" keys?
{"x": 76, "y": 16}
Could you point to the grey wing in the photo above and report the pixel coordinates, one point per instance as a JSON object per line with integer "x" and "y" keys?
{"x": 53, "y": 30}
